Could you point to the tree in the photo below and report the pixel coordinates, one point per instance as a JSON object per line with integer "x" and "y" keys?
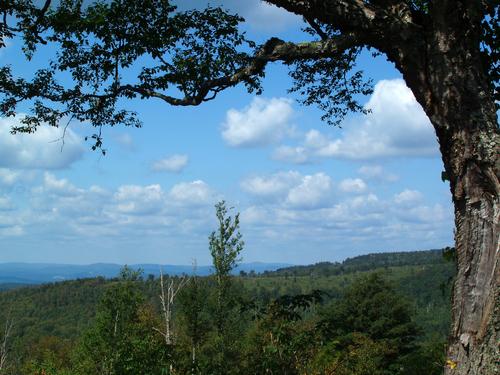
{"x": 174, "y": 285}
{"x": 373, "y": 309}
{"x": 122, "y": 339}
{"x": 281, "y": 342}
{"x": 446, "y": 50}
{"x": 225, "y": 247}
{"x": 195, "y": 319}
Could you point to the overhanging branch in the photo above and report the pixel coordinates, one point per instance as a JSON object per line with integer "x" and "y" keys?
{"x": 272, "y": 51}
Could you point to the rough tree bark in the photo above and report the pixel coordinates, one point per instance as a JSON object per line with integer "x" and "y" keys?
{"x": 454, "y": 92}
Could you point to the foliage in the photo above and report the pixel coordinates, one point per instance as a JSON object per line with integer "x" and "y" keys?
{"x": 194, "y": 321}
{"x": 328, "y": 84}
{"x": 273, "y": 323}
{"x": 97, "y": 43}
{"x": 371, "y": 307}
{"x": 280, "y": 343}
{"x": 122, "y": 340}
{"x": 225, "y": 247}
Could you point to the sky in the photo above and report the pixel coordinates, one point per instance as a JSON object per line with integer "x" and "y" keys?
{"x": 306, "y": 191}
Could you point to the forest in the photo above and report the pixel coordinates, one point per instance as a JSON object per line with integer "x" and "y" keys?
{"x": 386, "y": 313}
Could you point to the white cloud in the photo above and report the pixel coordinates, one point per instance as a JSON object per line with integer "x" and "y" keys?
{"x": 61, "y": 187}
{"x": 408, "y": 197}
{"x": 275, "y": 185}
{"x": 175, "y": 163}
{"x": 288, "y": 209}
{"x": 5, "y": 204}
{"x": 315, "y": 140}
{"x": 294, "y": 155}
{"x": 9, "y": 177}
{"x": 41, "y": 150}
{"x": 14, "y": 231}
{"x": 376, "y": 172}
{"x": 352, "y": 185}
{"x": 314, "y": 191}
{"x": 135, "y": 199}
{"x": 261, "y": 16}
{"x": 192, "y": 193}
{"x": 364, "y": 202}
{"x": 291, "y": 189}
{"x": 397, "y": 126}
{"x": 254, "y": 215}
{"x": 263, "y": 122}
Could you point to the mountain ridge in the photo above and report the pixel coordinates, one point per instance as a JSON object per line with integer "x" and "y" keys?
{"x": 38, "y": 273}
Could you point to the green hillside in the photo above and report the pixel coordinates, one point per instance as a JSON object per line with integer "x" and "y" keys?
{"x": 55, "y": 316}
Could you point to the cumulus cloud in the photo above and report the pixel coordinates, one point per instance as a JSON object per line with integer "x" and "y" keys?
{"x": 86, "y": 213}
{"x": 175, "y": 163}
{"x": 62, "y": 187}
{"x": 9, "y": 177}
{"x": 5, "y": 204}
{"x": 135, "y": 199}
{"x": 259, "y": 15}
{"x": 377, "y": 172}
{"x": 291, "y": 188}
{"x": 41, "y": 150}
{"x": 352, "y": 185}
{"x": 263, "y": 16}
{"x": 271, "y": 186}
{"x": 192, "y": 193}
{"x": 293, "y": 155}
{"x": 397, "y": 126}
{"x": 14, "y": 231}
{"x": 299, "y": 210}
{"x": 313, "y": 191}
{"x": 408, "y": 197}
{"x": 286, "y": 210}
{"x": 263, "y": 122}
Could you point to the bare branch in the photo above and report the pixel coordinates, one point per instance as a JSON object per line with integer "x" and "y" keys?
{"x": 167, "y": 303}
{"x": 316, "y": 27}
{"x": 4, "y": 349}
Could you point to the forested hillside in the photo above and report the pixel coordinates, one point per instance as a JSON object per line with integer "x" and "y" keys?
{"x": 58, "y": 328}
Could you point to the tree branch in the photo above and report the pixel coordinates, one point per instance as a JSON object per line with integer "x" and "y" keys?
{"x": 375, "y": 23}
{"x": 316, "y": 27}
{"x": 273, "y": 50}
{"x": 349, "y": 15}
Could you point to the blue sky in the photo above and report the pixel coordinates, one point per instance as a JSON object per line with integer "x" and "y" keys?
{"x": 306, "y": 191}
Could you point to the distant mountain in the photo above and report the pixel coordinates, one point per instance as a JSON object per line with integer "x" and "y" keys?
{"x": 37, "y": 273}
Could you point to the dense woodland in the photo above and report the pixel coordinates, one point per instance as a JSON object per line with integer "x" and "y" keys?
{"x": 383, "y": 313}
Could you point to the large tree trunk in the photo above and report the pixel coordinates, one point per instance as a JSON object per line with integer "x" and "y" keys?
{"x": 451, "y": 86}
{"x": 473, "y": 170}
{"x": 466, "y": 124}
